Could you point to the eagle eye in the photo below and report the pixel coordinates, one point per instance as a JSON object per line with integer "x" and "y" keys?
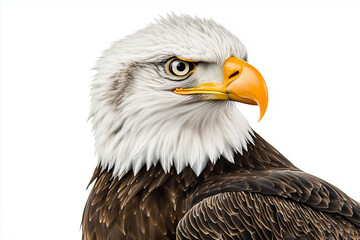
{"x": 180, "y": 68}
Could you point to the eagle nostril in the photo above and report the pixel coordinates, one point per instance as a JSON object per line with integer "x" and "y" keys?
{"x": 234, "y": 74}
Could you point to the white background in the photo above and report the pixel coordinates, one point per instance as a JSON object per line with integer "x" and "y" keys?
{"x": 308, "y": 52}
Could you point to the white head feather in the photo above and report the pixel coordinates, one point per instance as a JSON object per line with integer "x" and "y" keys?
{"x": 137, "y": 118}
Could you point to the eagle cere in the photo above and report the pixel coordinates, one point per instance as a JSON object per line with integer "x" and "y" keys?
{"x": 178, "y": 160}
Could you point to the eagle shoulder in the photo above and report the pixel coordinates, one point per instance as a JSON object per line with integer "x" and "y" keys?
{"x": 250, "y": 215}
{"x": 294, "y": 185}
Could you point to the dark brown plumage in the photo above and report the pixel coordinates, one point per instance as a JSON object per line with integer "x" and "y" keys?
{"x": 261, "y": 196}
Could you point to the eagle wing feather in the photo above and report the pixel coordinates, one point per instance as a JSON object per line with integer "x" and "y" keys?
{"x": 250, "y": 215}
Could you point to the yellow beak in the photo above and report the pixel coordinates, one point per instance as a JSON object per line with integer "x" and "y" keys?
{"x": 242, "y": 83}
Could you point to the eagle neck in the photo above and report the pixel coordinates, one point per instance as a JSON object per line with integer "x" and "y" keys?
{"x": 166, "y": 196}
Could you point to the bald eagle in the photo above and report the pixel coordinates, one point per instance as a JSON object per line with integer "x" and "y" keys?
{"x": 178, "y": 160}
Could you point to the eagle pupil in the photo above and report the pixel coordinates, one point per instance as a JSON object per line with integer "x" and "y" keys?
{"x": 180, "y": 66}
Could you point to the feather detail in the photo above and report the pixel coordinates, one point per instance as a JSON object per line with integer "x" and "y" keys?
{"x": 272, "y": 199}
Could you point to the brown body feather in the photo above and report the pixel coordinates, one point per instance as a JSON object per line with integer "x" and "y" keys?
{"x": 260, "y": 196}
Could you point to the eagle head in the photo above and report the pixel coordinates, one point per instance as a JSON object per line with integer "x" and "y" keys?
{"x": 161, "y": 96}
